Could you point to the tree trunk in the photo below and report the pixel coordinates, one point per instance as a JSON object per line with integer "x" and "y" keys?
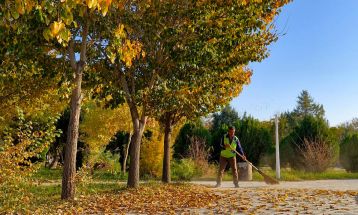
{"x": 69, "y": 168}
{"x": 126, "y": 154}
{"x": 166, "y": 162}
{"x": 133, "y": 176}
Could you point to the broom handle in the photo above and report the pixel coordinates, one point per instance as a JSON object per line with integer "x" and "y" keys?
{"x": 244, "y": 159}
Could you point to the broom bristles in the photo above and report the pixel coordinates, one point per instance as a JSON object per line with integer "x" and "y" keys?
{"x": 268, "y": 179}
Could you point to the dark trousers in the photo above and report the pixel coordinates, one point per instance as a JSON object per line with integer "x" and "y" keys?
{"x": 223, "y": 163}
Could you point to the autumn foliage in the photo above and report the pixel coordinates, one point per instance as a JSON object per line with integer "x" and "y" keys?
{"x": 23, "y": 144}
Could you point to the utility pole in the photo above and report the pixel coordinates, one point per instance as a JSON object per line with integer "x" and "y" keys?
{"x": 278, "y": 168}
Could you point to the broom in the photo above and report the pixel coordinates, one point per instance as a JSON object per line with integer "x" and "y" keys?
{"x": 267, "y": 179}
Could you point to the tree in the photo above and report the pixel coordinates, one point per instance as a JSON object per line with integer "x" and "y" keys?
{"x": 306, "y": 106}
{"x": 30, "y": 76}
{"x": 66, "y": 27}
{"x": 349, "y": 153}
{"x": 207, "y": 52}
{"x": 347, "y": 128}
{"x": 228, "y": 116}
{"x": 192, "y": 101}
{"x": 100, "y": 125}
{"x": 56, "y": 150}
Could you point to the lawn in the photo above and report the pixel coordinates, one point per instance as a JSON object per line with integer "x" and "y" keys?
{"x": 47, "y": 175}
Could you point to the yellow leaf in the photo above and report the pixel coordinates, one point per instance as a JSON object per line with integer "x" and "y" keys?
{"x": 109, "y": 97}
{"x": 56, "y": 27}
{"x": 91, "y": 3}
{"x": 119, "y": 32}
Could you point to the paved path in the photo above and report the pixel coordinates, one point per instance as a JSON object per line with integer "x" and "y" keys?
{"x": 338, "y": 185}
{"x": 302, "y": 197}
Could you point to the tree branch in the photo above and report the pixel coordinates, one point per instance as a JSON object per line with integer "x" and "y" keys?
{"x": 71, "y": 55}
{"x": 83, "y": 56}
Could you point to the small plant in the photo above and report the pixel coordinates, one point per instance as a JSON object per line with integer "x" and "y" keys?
{"x": 199, "y": 153}
{"x": 83, "y": 179}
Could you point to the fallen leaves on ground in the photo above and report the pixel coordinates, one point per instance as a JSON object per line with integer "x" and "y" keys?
{"x": 148, "y": 199}
{"x": 195, "y": 199}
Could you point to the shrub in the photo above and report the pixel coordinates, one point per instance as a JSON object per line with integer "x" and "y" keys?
{"x": 304, "y": 137}
{"x": 349, "y": 153}
{"x": 199, "y": 153}
{"x": 317, "y": 155}
{"x": 107, "y": 161}
{"x": 183, "y": 170}
{"x": 22, "y": 144}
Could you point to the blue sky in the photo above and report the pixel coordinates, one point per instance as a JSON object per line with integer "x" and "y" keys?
{"x": 318, "y": 53}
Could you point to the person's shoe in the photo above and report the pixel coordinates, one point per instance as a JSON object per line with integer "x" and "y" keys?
{"x": 217, "y": 185}
{"x": 237, "y": 186}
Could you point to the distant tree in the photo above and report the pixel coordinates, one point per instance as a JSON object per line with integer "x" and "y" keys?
{"x": 120, "y": 144}
{"x": 190, "y": 130}
{"x": 227, "y": 116}
{"x": 307, "y": 107}
{"x": 349, "y": 127}
{"x": 349, "y": 153}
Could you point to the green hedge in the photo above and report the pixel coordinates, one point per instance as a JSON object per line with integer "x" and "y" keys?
{"x": 349, "y": 153}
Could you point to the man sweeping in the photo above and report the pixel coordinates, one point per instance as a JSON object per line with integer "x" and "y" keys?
{"x": 227, "y": 155}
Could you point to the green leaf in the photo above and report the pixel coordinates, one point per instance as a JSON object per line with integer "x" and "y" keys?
{"x": 47, "y": 34}
{"x": 15, "y": 14}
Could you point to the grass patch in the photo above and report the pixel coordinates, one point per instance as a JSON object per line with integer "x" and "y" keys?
{"x": 48, "y": 196}
{"x": 105, "y": 175}
{"x": 44, "y": 174}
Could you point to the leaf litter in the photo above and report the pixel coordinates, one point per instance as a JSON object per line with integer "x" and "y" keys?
{"x": 196, "y": 199}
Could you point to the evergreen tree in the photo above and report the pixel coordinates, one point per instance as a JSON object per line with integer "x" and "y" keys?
{"x": 307, "y": 107}
{"x": 228, "y": 116}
